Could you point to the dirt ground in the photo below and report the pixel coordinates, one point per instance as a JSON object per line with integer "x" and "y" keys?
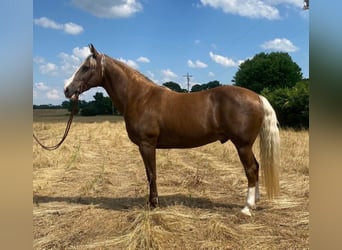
{"x": 91, "y": 193}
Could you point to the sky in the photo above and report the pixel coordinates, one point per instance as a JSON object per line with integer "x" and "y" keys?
{"x": 164, "y": 40}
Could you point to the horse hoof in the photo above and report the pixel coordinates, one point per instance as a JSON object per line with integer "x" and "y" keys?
{"x": 246, "y": 211}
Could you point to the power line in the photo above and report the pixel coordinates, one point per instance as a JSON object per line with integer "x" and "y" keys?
{"x": 188, "y": 80}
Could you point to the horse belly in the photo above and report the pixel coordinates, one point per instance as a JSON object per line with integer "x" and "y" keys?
{"x": 192, "y": 123}
{"x": 183, "y": 144}
{"x": 186, "y": 139}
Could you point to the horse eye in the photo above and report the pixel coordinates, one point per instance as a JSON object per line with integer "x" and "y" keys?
{"x": 85, "y": 68}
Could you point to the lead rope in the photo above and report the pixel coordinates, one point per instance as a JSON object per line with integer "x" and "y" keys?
{"x": 65, "y": 132}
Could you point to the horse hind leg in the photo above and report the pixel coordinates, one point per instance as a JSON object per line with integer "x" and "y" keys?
{"x": 251, "y": 167}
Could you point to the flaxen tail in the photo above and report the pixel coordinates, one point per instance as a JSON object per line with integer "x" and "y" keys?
{"x": 270, "y": 149}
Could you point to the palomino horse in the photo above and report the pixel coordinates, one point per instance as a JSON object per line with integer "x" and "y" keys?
{"x": 156, "y": 117}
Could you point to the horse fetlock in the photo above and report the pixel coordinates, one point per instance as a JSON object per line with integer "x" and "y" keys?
{"x": 154, "y": 202}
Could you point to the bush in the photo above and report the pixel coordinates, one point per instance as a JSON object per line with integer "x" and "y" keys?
{"x": 291, "y": 104}
{"x": 89, "y": 110}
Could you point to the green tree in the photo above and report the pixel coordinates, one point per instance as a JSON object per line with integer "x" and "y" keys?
{"x": 102, "y": 104}
{"x": 66, "y": 105}
{"x": 89, "y": 110}
{"x": 174, "y": 86}
{"x": 271, "y": 71}
{"x": 196, "y": 88}
{"x": 212, "y": 84}
{"x": 205, "y": 86}
{"x": 291, "y": 104}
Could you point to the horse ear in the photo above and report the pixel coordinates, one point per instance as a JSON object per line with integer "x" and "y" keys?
{"x": 93, "y": 51}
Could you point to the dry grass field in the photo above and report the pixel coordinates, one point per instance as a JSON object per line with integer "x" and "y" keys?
{"x": 91, "y": 193}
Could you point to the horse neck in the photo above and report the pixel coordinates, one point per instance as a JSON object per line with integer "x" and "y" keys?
{"x": 122, "y": 84}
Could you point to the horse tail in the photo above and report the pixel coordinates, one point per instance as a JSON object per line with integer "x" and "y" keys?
{"x": 269, "y": 149}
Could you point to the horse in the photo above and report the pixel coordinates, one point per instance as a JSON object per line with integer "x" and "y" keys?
{"x": 156, "y": 117}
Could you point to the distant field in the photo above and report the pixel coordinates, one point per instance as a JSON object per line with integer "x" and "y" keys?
{"x": 62, "y": 115}
{"x": 91, "y": 193}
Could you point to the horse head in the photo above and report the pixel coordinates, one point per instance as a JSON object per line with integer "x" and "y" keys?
{"x": 88, "y": 75}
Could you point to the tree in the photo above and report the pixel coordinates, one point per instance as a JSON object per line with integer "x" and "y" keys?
{"x": 196, "y": 88}
{"x": 66, "y": 105}
{"x": 205, "y": 86}
{"x": 271, "y": 71}
{"x": 102, "y": 104}
{"x": 89, "y": 110}
{"x": 174, "y": 86}
{"x": 291, "y": 104}
{"x": 212, "y": 84}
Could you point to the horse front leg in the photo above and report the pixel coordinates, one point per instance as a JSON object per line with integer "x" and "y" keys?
{"x": 148, "y": 153}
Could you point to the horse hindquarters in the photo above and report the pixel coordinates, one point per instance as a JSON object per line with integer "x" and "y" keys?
{"x": 267, "y": 128}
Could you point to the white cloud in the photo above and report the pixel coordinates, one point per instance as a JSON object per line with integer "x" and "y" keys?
{"x": 67, "y": 65}
{"x": 197, "y": 64}
{"x": 143, "y": 59}
{"x": 253, "y": 8}
{"x": 240, "y": 61}
{"x": 110, "y": 9}
{"x": 211, "y": 74}
{"x": 296, "y": 3}
{"x": 73, "y": 28}
{"x": 41, "y": 86}
{"x": 222, "y": 60}
{"x": 69, "y": 28}
{"x": 249, "y": 8}
{"x": 70, "y": 62}
{"x": 167, "y": 73}
{"x": 42, "y": 90}
{"x": 48, "y": 23}
{"x": 279, "y": 44}
{"x": 48, "y": 69}
{"x": 45, "y": 68}
{"x": 53, "y": 94}
{"x": 129, "y": 62}
{"x": 81, "y": 53}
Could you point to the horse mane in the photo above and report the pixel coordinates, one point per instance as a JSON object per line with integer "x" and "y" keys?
{"x": 134, "y": 74}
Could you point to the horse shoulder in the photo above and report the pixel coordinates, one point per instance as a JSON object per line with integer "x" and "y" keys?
{"x": 142, "y": 118}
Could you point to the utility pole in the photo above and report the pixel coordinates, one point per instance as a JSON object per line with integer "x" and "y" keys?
{"x": 188, "y": 79}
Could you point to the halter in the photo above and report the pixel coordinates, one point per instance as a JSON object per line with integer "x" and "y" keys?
{"x": 103, "y": 60}
{"x": 73, "y": 112}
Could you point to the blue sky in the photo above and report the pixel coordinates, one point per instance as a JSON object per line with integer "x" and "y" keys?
{"x": 164, "y": 40}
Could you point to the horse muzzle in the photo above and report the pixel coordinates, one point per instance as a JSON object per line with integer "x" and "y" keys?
{"x": 72, "y": 95}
